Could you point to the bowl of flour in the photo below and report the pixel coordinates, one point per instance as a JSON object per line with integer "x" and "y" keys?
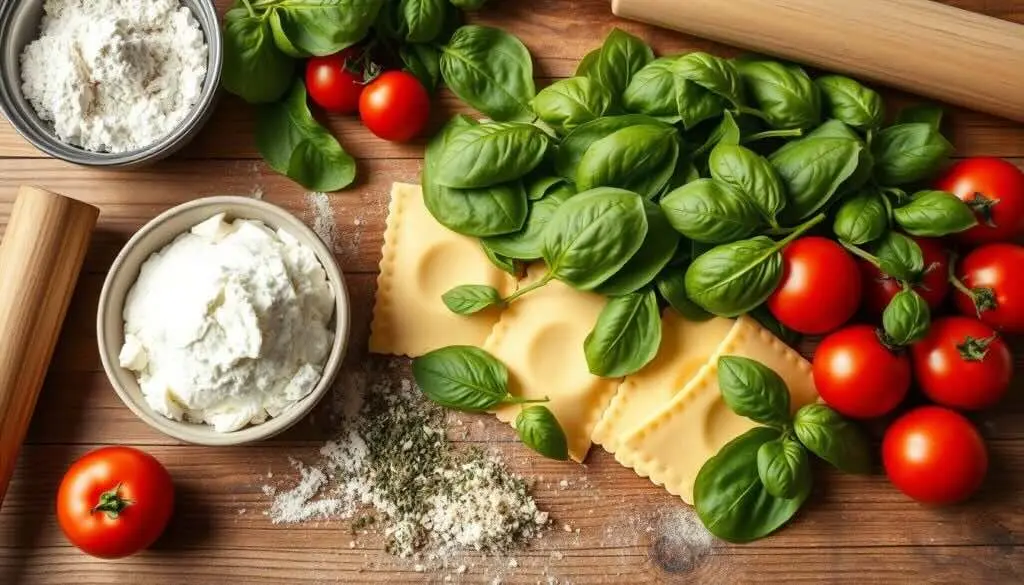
{"x": 223, "y": 321}
{"x": 109, "y": 83}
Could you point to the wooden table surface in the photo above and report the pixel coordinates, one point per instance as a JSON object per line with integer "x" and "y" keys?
{"x": 622, "y": 528}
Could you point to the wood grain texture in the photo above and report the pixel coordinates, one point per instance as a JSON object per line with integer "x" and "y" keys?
{"x": 854, "y": 529}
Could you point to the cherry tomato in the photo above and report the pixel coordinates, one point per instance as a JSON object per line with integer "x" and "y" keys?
{"x": 962, "y": 363}
{"x": 334, "y": 83}
{"x": 114, "y": 502}
{"x": 395, "y": 106}
{"x": 859, "y": 376}
{"x": 994, "y": 275}
{"x": 880, "y": 288}
{"x": 820, "y": 287}
{"x": 994, "y": 188}
{"x": 934, "y": 455}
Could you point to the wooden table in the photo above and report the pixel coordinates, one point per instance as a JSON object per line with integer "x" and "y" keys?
{"x": 853, "y": 529}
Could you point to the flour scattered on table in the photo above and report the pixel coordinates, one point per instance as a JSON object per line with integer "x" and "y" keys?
{"x": 318, "y": 206}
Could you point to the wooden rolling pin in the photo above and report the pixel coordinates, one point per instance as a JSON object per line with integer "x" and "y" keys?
{"x": 40, "y": 257}
{"x": 920, "y": 46}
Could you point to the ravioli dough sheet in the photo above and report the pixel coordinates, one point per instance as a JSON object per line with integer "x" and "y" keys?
{"x": 686, "y": 347}
{"x": 540, "y": 339}
{"x": 673, "y": 446}
{"x": 421, "y": 261}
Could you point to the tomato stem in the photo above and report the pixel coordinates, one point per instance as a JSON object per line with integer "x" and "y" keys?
{"x": 800, "y": 230}
{"x": 112, "y": 503}
{"x": 861, "y": 253}
{"x": 546, "y": 279}
{"x": 975, "y": 350}
{"x": 983, "y": 299}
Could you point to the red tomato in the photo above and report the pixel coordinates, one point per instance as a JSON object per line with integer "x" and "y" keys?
{"x": 334, "y": 82}
{"x": 962, "y": 363}
{"x": 395, "y": 106}
{"x": 934, "y": 455}
{"x": 820, "y": 287}
{"x": 998, "y": 295}
{"x": 114, "y": 502}
{"x": 880, "y": 288}
{"x": 859, "y": 376}
{"x": 995, "y": 189}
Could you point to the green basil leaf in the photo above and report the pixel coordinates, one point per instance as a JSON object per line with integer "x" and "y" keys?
{"x": 714, "y": 74}
{"x": 928, "y": 114}
{"x": 501, "y": 261}
{"x": 750, "y": 174}
{"x": 907, "y": 153}
{"x": 587, "y": 66}
{"x": 654, "y": 254}
{"x": 539, "y": 430}
{"x": 575, "y": 144}
{"x": 490, "y": 70}
{"x": 731, "y": 279}
{"x": 626, "y": 336}
{"x": 710, "y": 211}
{"x": 836, "y": 440}
{"x": 468, "y": 4}
{"x": 422, "y": 19}
{"x": 762, "y": 315}
{"x": 661, "y": 91}
{"x": 753, "y": 390}
{"x": 671, "y": 285}
{"x": 812, "y": 170}
{"x": 730, "y": 499}
{"x": 784, "y": 93}
{"x": 296, "y": 145}
{"x": 851, "y": 102}
{"x": 861, "y": 219}
{"x": 527, "y": 243}
{"x": 324, "y": 27}
{"x": 906, "y": 318}
{"x": 254, "y": 68}
{"x": 489, "y": 154}
{"x": 542, "y": 186}
{"x": 283, "y": 30}
{"x": 934, "y": 214}
{"x": 461, "y": 377}
{"x": 471, "y": 298}
{"x": 641, "y": 159}
{"x": 423, "y": 61}
{"x": 620, "y": 57}
{"x": 567, "y": 103}
{"x": 783, "y": 467}
{"x": 592, "y": 235}
{"x": 865, "y": 162}
{"x": 899, "y": 256}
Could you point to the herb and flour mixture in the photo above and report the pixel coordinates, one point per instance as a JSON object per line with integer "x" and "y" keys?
{"x": 115, "y": 75}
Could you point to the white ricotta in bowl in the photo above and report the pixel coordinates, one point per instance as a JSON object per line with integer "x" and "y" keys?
{"x": 229, "y": 324}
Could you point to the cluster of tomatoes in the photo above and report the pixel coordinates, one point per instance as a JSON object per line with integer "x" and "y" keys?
{"x": 931, "y": 453}
{"x": 393, "y": 105}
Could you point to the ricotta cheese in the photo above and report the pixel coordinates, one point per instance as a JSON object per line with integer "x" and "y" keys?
{"x": 229, "y": 324}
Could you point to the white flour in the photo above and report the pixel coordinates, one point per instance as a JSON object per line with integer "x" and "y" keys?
{"x": 114, "y": 75}
{"x": 318, "y": 206}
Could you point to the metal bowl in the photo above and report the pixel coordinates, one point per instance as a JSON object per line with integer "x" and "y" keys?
{"x": 19, "y": 25}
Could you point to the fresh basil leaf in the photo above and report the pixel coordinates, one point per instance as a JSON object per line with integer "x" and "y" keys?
{"x": 626, "y": 336}
{"x": 710, "y": 211}
{"x": 671, "y": 285}
{"x": 714, "y": 74}
{"x": 928, "y": 114}
{"x": 907, "y": 153}
{"x": 575, "y": 144}
{"x": 527, "y": 243}
{"x": 587, "y": 66}
{"x": 851, "y": 102}
{"x": 731, "y": 279}
{"x": 283, "y": 30}
{"x": 730, "y": 499}
{"x": 934, "y": 214}
{"x": 567, "y": 103}
{"x": 539, "y": 430}
{"x": 592, "y": 235}
{"x": 468, "y": 4}
{"x": 254, "y": 68}
{"x": 783, "y": 467}
{"x": 422, "y": 19}
{"x": 762, "y": 315}
{"x": 836, "y": 440}
{"x": 865, "y": 162}
{"x": 620, "y": 57}
{"x": 502, "y": 262}
{"x": 753, "y": 390}
{"x": 654, "y": 254}
{"x": 641, "y": 159}
{"x": 461, "y": 377}
{"x": 423, "y": 61}
{"x": 471, "y": 298}
{"x": 659, "y": 90}
{"x": 812, "y": 169}
{"x": 543, "y": 185}
{"x": 324, "y": 27}
{"x": 899, "y": 256}
{"x": 489, "y": 154}
{"x": 490, "y": 70}
{"x": 750, "y": 174}
{"x": 296, "y": 145}
{"x": 906, "y": 318}
{"x": 784, "y": 93}
{"x": 862, "y": 218}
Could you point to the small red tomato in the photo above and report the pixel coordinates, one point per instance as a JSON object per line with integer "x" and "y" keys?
{"x": 995, "y": 276}
{"x": 820, "y": 287}
{"x": 114, "y": 502}
{"x": 856, "y": 374}
{"x": 934, "y": 455}
{"x": 880, "y": 288}
{"x": 962, "y": 363}
{"x": 994, "y": 188}
{"x": 395, "y": 106}
{"x": 334, "y": 82}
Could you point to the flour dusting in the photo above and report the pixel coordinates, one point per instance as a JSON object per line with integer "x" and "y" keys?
{"x": 318, "y": 205}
